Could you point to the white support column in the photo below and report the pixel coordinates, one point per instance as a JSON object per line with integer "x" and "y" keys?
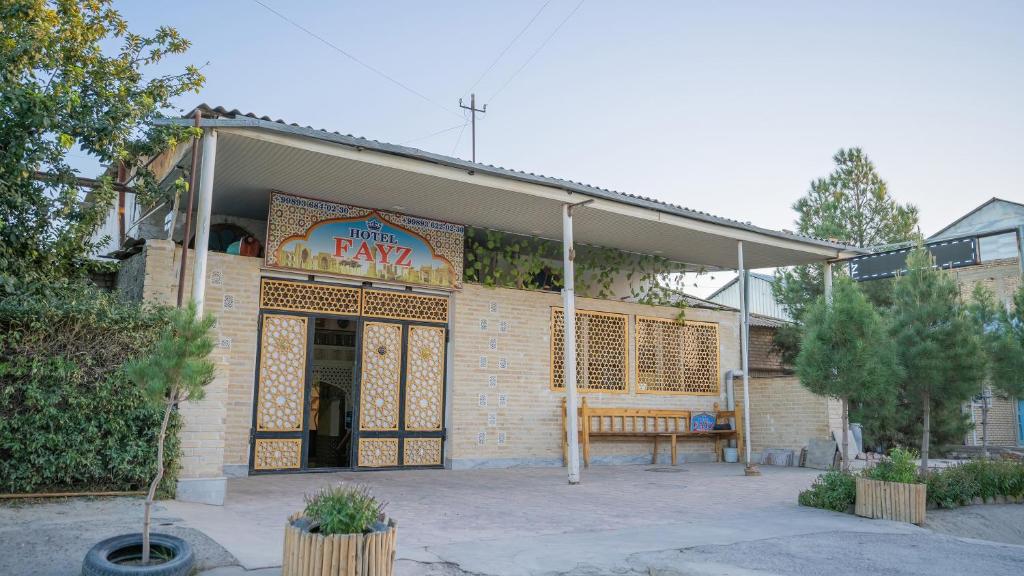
{"x": 203, "y": 218}
{"x": 751, "y": 468}
{"x": 569, "y": 316}
{"x": 828, "y": 282}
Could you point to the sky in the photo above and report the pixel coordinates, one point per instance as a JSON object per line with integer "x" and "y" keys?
{"x": 730, "y": 108}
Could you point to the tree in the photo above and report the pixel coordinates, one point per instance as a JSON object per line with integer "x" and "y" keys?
{"x": 175, "y": 371}
{"x": 938, "y": 346}
{"x": 1002, "y": 335}
{"x": 62, "y": 87}
{"x": 851, "y": 205}
{"x": 846, "y": 352}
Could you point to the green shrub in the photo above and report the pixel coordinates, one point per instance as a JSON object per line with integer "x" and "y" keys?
{"x": 344, "y": 509}
{"x": 960, "y": 485}
{"x": 833, "y": 490}
{"x": 900, "y": 466}
{"x": 69, "y": 418}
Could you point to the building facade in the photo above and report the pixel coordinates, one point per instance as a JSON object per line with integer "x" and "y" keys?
{"x": 997, "y": 224}
{"x": 350, "y": 335}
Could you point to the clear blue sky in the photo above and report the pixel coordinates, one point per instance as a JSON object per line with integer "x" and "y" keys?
{"x": 726, "y": 107}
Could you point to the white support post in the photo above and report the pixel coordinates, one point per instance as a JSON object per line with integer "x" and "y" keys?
{"x": 828, "y": 282}
{"x": 569, "y": 316}
{"x": 203, "y": 221}
{"x": 751, "y": 468}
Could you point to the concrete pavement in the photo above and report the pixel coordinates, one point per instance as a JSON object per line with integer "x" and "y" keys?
{"x": 697, "y": 519}
{"x": 694, "y": 519}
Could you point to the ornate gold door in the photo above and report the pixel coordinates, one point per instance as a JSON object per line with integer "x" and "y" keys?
{"x": 280, "y": 405}
{"x": 401, "y": 394}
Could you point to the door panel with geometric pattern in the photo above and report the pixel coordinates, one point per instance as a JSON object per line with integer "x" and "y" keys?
{"x": 401, "y": 405}
{"x": 281, "y": 393}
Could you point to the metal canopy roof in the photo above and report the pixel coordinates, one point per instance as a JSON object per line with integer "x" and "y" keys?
{"x": 257, "y": 155}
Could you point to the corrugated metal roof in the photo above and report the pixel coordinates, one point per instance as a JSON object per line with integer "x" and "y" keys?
{"x": 234, "y": 117}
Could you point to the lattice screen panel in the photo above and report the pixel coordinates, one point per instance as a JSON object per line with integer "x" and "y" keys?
{"x": 405, "y": 306}
{"x": 422, "y": 452}
{"x": 282, "y": 374}
{"x": 700, "y": 358}
{"x": 601, "y": 351}
{"x": 424, "y": 378}
{"x": 277, "y": 454}
{"x": 674, "y": 358}
{"x": 381, "y": 376}
{"x": 378, "y": 452}
{"x": 309, "y": 297}
{"x": 659, "y": 355}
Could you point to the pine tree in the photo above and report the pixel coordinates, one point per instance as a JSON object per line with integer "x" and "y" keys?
{"x": 938, "y": 345}
{"x": 851, "y": 205}
{"x": 175, "y": 371}
{"x": 846, "y": 351}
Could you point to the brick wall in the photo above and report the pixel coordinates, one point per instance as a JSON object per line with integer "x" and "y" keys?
{"x": 764, "y": 360}
{"x": 1003, "y": 278}
{"x": 526, "y": 427}
{"x": 784, "y": 414}
{"x": 215, "y": 434}
{"x": 1003, "y": 425}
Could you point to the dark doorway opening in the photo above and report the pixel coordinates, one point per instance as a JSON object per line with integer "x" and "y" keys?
{"x": 329, "y": 433}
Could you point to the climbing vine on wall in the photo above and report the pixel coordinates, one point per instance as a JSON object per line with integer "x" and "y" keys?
{"x": 501, "y": 259}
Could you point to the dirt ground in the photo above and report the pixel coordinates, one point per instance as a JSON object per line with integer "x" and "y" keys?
{"x": 51, "y": 537}
{"x": 993, "y": 522}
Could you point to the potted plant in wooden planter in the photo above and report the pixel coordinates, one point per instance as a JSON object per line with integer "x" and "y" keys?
{"x": 177, "y": 370}
{"x": 342, "y": 531}
{"x": 892, "y": 490}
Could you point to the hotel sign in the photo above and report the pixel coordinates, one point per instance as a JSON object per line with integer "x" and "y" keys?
{"x": 326, "y": 238}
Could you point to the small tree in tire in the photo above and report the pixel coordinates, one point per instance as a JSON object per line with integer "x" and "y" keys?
{"x": 177, "y": 370}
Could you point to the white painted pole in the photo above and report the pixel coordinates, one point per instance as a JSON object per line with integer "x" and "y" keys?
{"x": 203, "y": 221}
{"x": 828, "y": 283}
{"x": 751, "y": 469}
{"x": 569, "y": 309}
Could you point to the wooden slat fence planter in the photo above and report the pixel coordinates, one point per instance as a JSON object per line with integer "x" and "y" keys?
{"x": 891, "y": 500}
{"x": 311, "y": 554}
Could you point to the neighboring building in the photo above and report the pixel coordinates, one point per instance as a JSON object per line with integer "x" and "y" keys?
{"x": 355, "y": 341}
{"x": 997, "y": 224}
{"x": 762, "y": 301}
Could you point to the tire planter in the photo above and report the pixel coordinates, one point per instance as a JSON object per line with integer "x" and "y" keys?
{"x": 311, "y": 554}
{"x": 102, "y": 559}
{"x": 891, "y": 500}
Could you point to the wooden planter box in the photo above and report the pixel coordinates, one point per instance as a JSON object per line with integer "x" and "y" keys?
{"x": 312, "y": 554}
{"x": 891, "y": 500}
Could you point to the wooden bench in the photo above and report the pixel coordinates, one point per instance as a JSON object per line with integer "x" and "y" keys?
{"x": 654, "y": 423}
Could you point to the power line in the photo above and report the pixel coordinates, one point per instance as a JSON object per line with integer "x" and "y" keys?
{"x": 432, "y": 134}
{"x": 357, "y": 60}
{"x": 459, "y": 139}
{"x": 537, "y": 51}
{"x": 509, "y": 45}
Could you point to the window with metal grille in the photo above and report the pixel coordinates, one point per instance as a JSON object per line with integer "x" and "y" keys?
{"x": 676, "y": 358}
{"x": 602, "y": 350}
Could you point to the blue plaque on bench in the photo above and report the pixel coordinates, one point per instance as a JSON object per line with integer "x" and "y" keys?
{"x": 702, "y": 422}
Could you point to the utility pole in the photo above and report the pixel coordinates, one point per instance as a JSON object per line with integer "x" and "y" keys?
{"x": 473, "y": 110}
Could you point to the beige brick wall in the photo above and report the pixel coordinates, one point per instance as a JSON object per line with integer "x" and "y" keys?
{"x": 1003, "y": 425}
{"x": 1003, "y": 278}
{"x": 527, "y": 429}
{"x": 216, "y": 429}
{"x": 784, "y": 414}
